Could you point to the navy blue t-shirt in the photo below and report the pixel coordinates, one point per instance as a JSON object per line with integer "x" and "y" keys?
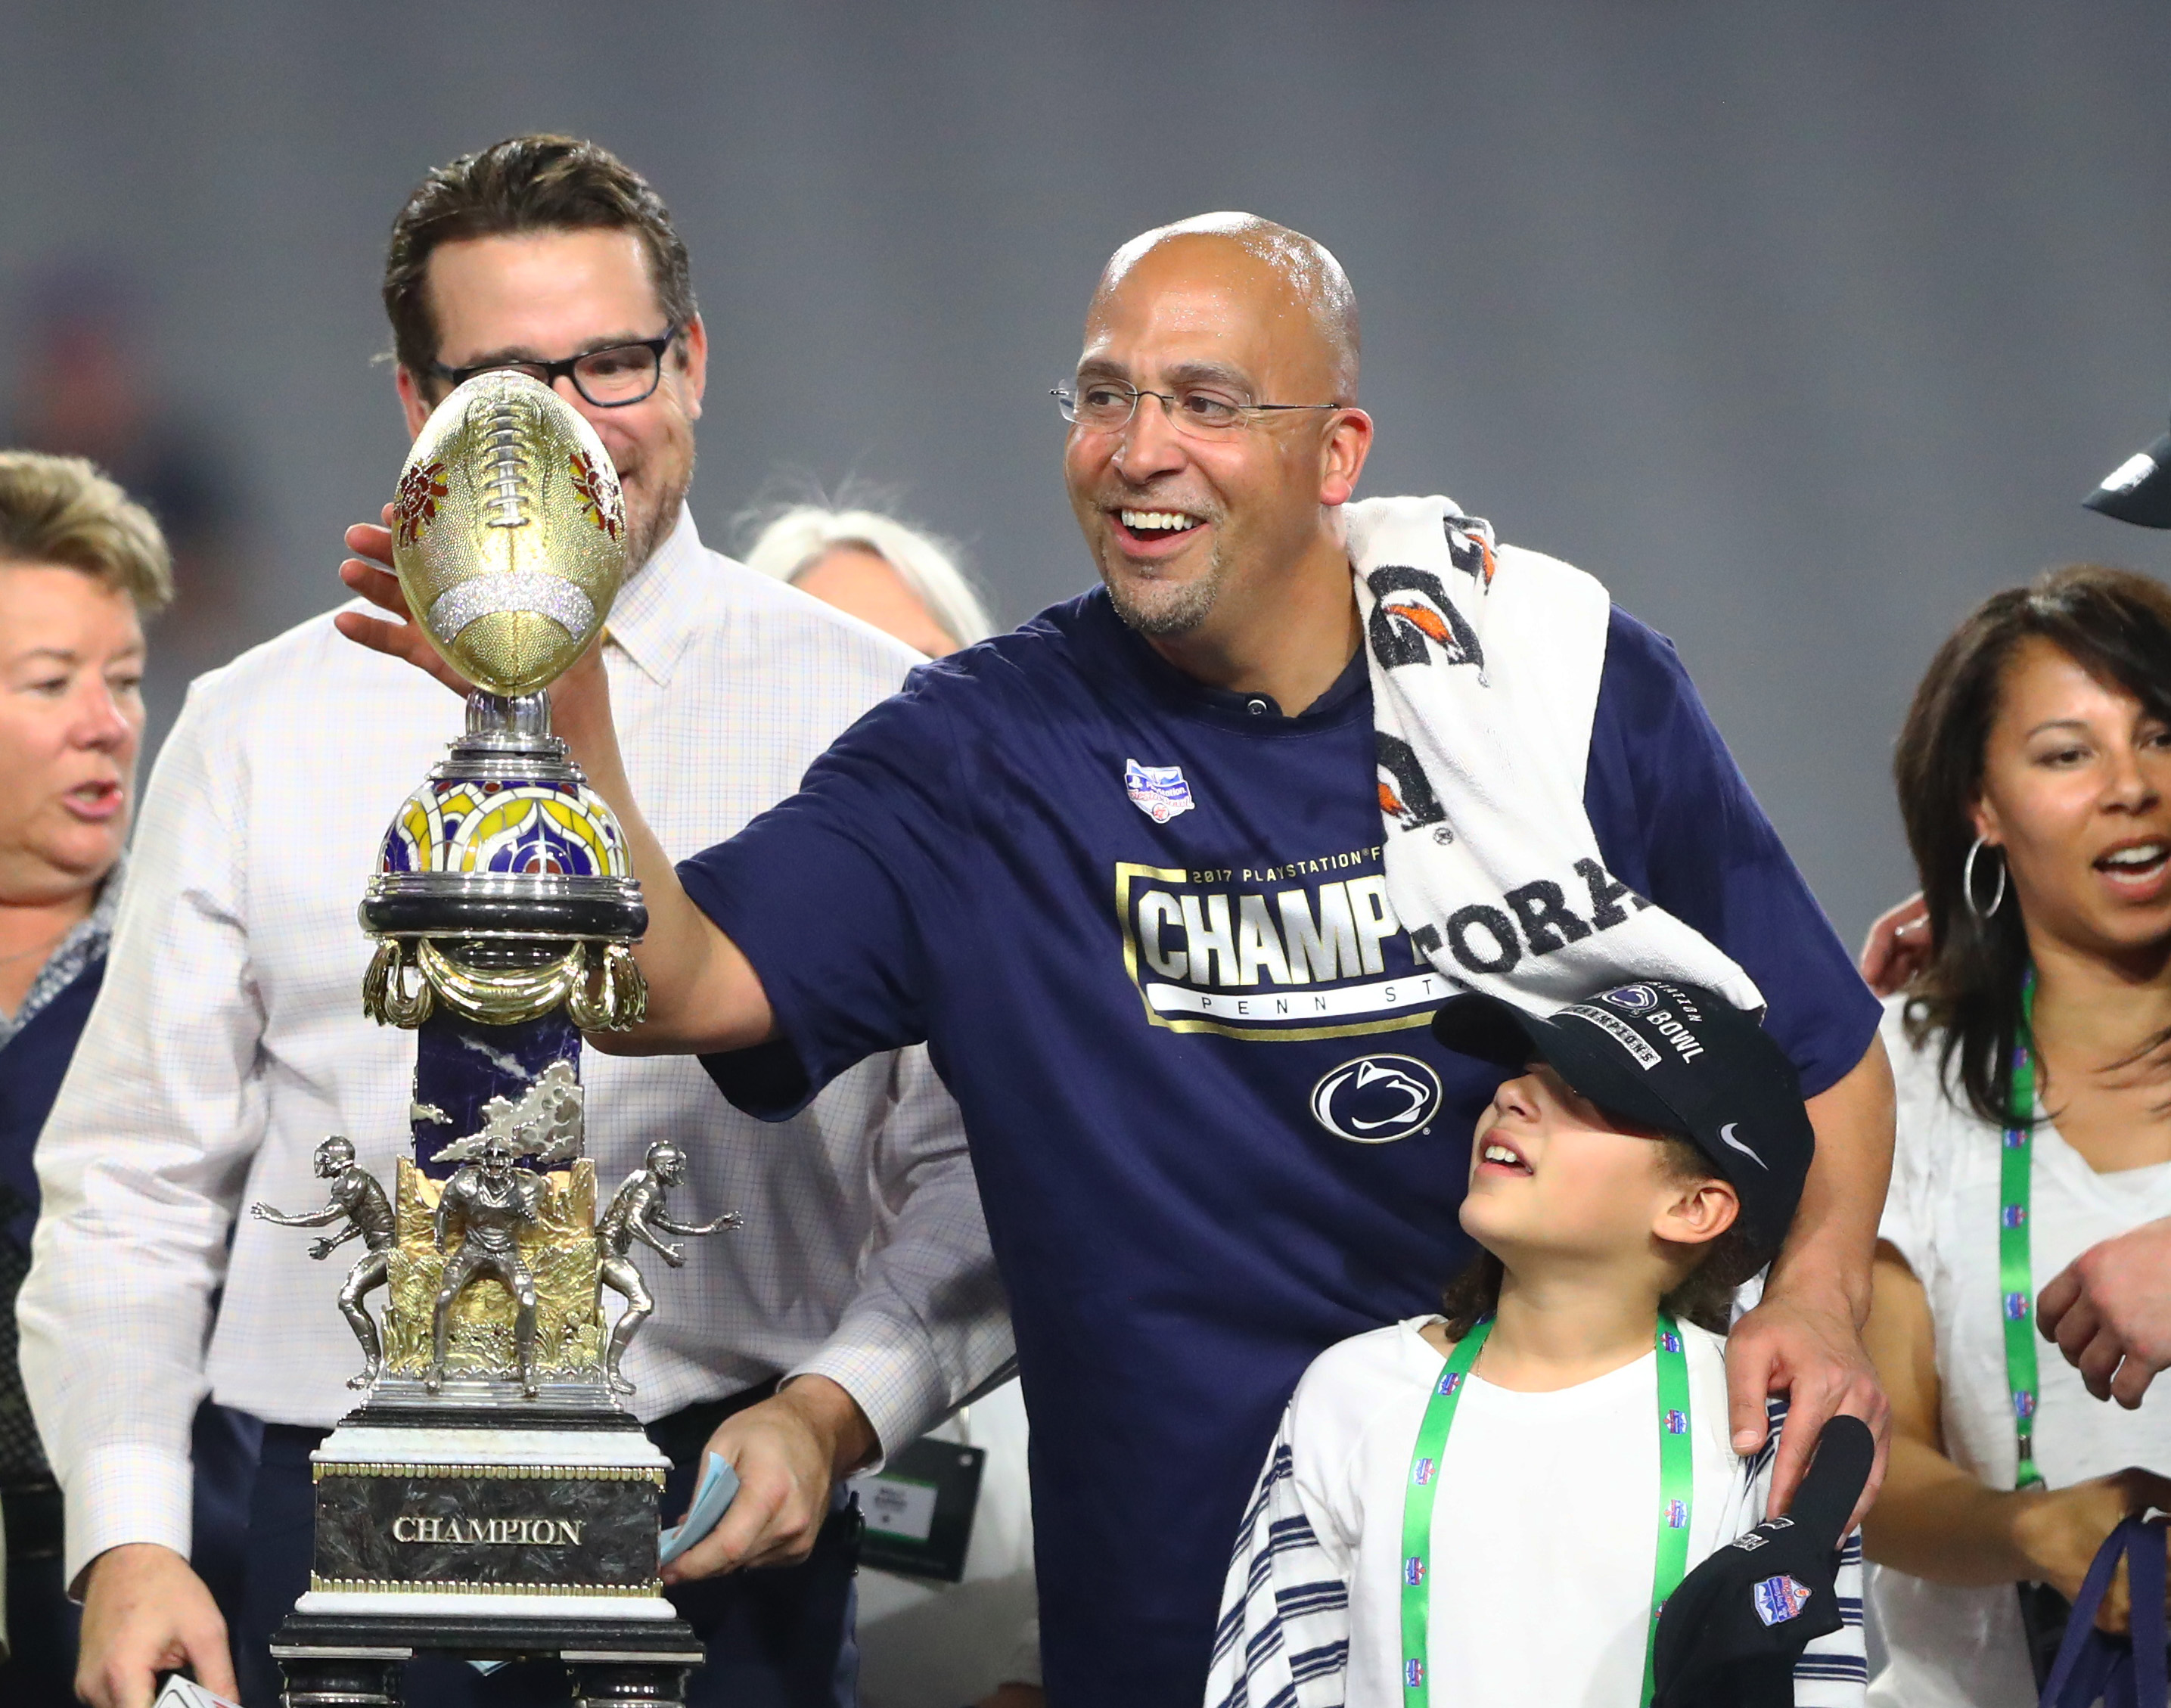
{"x": 1213, "y": 1131}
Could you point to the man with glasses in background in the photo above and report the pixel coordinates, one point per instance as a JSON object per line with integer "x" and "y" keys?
{"x": 859, "y": 1302}
{"x": 1127, "y": 870}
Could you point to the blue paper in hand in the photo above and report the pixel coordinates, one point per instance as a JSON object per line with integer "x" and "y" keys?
{"x": 719, "y": 1484}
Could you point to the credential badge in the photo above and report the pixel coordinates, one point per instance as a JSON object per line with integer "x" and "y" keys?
{"x": 1159, "y": 791}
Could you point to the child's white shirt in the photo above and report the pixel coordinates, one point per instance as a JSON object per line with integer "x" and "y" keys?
{"x": 1545, "y": 1526}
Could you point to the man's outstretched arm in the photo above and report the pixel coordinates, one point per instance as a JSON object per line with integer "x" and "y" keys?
{"x": 1805, "y": 1338}
{"x": 703, "y": 994}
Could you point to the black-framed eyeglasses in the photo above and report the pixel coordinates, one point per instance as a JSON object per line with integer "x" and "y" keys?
{"x": 609, "y": 378}
{"x": 1197, "y": 411}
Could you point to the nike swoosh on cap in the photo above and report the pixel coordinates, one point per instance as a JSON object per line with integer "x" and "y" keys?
{"x": 1726, "y": 1137}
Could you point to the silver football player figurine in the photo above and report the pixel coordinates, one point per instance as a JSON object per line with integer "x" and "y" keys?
{"x": 356, "y": 1197}
{"x": 635, "y": 1212}
{"x": 493, "y": 1201}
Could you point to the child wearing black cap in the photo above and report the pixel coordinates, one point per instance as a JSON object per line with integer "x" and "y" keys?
{"x": 1492, "y": 1503}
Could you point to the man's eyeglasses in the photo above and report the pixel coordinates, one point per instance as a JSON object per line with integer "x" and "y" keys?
{"x": 1197, "y": 411}
{"x": 610, "y": 379}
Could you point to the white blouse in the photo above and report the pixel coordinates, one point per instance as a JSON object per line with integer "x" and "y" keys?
{"x": 1964, "y": 1648}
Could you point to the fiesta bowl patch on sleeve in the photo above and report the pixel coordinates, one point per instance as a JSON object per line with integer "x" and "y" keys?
{"x": 1779, "y": 1599}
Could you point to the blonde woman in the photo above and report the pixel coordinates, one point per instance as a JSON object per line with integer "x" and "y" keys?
{"x": 81, "y": 567}
{"x": 905, "y": 583}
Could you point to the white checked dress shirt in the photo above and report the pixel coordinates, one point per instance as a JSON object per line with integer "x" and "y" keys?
{"x": 229, "y": 1039}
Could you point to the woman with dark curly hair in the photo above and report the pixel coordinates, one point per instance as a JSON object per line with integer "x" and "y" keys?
{"x": 2032, "y": 1056}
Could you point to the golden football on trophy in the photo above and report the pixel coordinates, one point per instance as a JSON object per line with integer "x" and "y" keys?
{"x": 509, "y": 532}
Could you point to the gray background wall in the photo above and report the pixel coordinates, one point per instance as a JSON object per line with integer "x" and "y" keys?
{"x": 1802, "y": 326}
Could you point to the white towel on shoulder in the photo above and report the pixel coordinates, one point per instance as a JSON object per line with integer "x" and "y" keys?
{"x": 1485, "y": 661}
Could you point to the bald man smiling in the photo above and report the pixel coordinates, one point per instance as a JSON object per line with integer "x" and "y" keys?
{"x": 1125, "y": 871}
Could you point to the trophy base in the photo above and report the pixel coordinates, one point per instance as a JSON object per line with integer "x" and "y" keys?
{"x": 356, "y": 1661}
{"x": 479, "y": 1525}
{"x": 461, "y": 1512}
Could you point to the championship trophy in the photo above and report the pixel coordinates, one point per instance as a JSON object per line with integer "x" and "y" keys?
{"x": 490, "y": 1498}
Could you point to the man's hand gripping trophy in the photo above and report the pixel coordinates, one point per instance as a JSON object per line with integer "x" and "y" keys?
{"x": 358, "y": 1198}
{"x": 637, "y": 1213}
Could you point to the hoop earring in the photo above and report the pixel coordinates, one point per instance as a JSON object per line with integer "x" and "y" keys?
{"x": 1967, "y": 881}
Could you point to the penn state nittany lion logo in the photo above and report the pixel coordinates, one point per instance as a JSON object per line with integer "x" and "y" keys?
{"x": 1377, "y": 1098}
{"x": 1637, "y": 999}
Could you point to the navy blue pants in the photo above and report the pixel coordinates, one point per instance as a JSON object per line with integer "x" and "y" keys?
{"x": 776, "y": 1639}
{"x": 42, "y": 1624}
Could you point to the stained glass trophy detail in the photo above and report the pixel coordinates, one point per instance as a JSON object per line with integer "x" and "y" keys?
{"x": 491, "y": 1497}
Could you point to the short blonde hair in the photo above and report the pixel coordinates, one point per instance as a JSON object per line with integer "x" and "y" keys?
{"x": 790, "y": 545}
{"x": 60, "y": 510}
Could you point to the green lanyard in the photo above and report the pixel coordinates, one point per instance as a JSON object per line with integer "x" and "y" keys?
{"x": 2016, "y": 1274}
{"x": 1675, "y": 1482}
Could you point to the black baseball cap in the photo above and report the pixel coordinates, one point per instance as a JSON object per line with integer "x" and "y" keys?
{"x": 2139, "y": 489}
{"x": 1675, "y": 1058}
{"x": 1729, "y": 1636}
